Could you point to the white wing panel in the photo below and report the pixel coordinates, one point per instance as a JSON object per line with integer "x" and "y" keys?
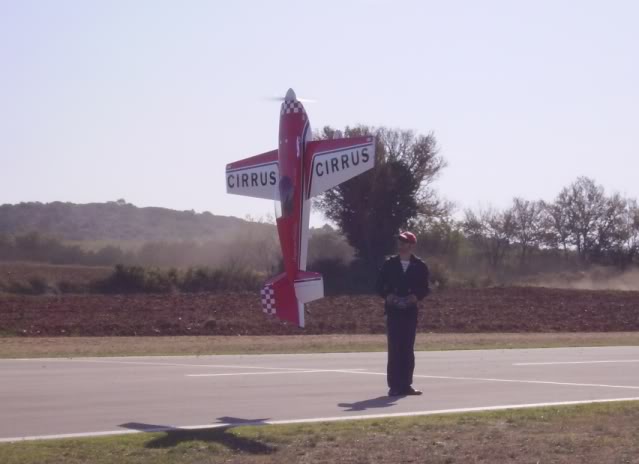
{"x": 332, "y": 167}
{"x": 255, "y": 177}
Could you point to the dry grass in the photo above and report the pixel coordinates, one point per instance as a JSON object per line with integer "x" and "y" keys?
{"x": 598, "y": 433}
{"x": 27, "y": 347}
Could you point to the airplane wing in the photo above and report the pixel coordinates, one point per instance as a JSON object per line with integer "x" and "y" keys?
{"x": 332, "y": 162}
{"x": 256, "y": 176}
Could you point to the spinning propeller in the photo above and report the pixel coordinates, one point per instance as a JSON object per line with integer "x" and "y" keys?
{"x": 290, "y": 96}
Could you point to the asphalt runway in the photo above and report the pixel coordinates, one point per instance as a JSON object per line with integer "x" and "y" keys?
{"x": 51, "y": 398}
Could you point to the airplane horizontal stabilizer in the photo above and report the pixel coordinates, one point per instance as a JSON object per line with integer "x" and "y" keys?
{"x": 309, "y": 286}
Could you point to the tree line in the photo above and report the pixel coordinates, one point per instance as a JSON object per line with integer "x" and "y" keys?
{"x": 583, "y": 224}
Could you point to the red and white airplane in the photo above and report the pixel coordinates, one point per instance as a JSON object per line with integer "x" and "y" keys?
{"x": 292, "y": 174}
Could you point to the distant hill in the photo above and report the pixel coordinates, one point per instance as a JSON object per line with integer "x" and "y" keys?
{"x": 118, "y": 220}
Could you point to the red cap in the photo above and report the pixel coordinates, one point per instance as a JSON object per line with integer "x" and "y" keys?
{"x": 407, "y": 237}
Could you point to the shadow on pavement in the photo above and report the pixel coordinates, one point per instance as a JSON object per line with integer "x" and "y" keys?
{"x": 379, "y": 402}
{"x": 175, "y": 435}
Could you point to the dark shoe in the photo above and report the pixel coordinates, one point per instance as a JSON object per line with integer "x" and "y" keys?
{"x": 394, "y": 392}
{"x": 412, "y": 391}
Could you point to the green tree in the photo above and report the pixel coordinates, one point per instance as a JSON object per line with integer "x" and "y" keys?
{"x": 371, "y": 208}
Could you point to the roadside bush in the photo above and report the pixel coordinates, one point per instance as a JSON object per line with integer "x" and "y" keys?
{"x": 21, "y": 288}
{"x": 33, "y": 286}
{"x": 475, "y": 280}
{"x": 439, "y": 275}
{"x": 212, "y": 280}
{"x": 136, "y": 279}
{"x": 335, "y": 274}
{"x": 67, "y": 286}
{"x": 357, "y": 277}
{"x": 39, "y": 285}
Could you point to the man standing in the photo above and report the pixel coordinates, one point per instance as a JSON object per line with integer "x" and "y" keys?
{"x": 402, "y": 282}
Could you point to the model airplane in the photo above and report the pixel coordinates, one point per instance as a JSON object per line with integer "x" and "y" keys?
{"x": 292, "y": 174}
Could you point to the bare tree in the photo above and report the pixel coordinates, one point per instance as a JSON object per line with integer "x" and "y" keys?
{"x": 557, "y": 223}
{"x": 632, "y": 223}
{"x": 492, "y": 231}
{"x": 599, "y": 227}
{"x": 612, "y": 230}
{"x": 619, "y": 231}
{"x": 585, "y": 204}
{"x": 527, "y": 217}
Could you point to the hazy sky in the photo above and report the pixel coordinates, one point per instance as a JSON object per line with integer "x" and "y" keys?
{"x": 148, "y": 100}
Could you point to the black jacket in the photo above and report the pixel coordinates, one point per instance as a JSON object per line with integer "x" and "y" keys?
{"x": 393, "y": 279}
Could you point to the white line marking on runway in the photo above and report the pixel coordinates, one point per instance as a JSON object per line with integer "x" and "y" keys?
{"x": 540, "y": 382}
{"x": 277, "y": 370}
{"x": 358, "y": 371}
{"x": 318, "y": 419}
{"x": 323, "y": 371}
{"x": 576, "y": 362}
{"x": 214, "y": 366}
{"x": 481, "y": 379}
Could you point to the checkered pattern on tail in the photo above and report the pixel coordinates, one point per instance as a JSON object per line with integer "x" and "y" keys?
{"x": 268, "y": 299}
{"x": 292, "y": 107}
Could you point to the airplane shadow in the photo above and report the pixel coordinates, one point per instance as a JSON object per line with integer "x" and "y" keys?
{"x": 175, "y": 435}
{"x": 379, "y": 402}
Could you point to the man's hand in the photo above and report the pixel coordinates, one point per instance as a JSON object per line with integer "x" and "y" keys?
{"x": 390, "y": 298}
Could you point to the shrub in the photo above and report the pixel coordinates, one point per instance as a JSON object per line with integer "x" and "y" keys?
{"x": 39, "y": 285}
{"x": 212, "y": 280}
{"x": 34, "y": 286}
{"x": 21, "y": 288}
{"x": 135, "y": 279}
{"x": 334, "y": 273}
{"x": 67, "y": 286}
{"x": 339, "y": 278}
{"x": 439, "y": 275}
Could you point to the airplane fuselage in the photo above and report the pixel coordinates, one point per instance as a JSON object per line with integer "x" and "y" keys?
{"x": 294, "y": 134}
{"x": 297, "y": 170}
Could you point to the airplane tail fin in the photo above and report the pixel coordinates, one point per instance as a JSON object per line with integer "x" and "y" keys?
{"x": 285, "y": 300}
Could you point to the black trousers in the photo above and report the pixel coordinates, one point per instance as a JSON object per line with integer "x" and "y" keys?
{"x": 401, "y": 326}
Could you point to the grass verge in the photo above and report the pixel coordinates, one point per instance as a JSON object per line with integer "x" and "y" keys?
{"x": 587, "y": 433}
{"x": 37, "y": 347}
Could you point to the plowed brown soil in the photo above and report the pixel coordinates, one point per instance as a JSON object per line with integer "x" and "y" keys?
{"x": 455, "y": 310}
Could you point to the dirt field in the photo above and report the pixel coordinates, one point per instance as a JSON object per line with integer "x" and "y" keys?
{"x": 452, "y": 311}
